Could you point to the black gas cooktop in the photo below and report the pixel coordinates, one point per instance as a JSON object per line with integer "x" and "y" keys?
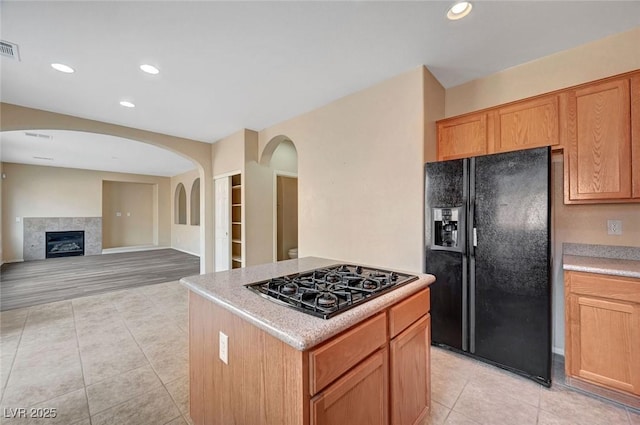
{"x": 331, "y": 290}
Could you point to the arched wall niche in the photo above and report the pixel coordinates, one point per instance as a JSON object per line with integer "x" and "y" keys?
{"x": 194, "y": 202}
{"x": 180, "y": 205}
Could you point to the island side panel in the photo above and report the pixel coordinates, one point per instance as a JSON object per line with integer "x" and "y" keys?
{"x": 265, "y": 380}
{"x": 197, "y": 324}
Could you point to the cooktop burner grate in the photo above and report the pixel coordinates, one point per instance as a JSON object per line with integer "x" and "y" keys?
{"x": 330, "y": 290}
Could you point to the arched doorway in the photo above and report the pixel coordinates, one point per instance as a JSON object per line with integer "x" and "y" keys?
{"x": 25, "y": 119}
{"x": 281, "y": 156}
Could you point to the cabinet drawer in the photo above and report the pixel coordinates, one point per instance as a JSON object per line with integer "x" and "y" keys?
{"x": 403, "y": 314}
{"x": 359, "y": 397}
{"x": 604, "y": 286}
{"x": 329, "y": 361}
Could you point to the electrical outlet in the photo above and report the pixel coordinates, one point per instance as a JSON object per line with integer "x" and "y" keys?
{"x": 224, "y": 348}
{"x": 614, "y": 227}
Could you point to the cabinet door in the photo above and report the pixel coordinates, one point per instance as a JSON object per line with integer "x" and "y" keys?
{"x": 635, "y": 134}
{"x": 410, "y": 390}
{"x": 462, "y": 137}
{"x": 529, "y": 124}
{"x": 599, "y": 142}
{"x": 358, "y": 398}
{"x": 605, "y": 342}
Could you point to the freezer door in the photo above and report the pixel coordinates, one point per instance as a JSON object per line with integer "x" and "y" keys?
{"x": 446, "y": 188}
{"x": 510, "y": 321}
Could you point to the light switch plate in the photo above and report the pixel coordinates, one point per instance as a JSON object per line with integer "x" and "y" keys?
{"x": 614, "y": 227}
{"x": 224, "y": 348}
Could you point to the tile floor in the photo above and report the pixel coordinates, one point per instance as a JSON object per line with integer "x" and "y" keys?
{"x": 121, "y": 358}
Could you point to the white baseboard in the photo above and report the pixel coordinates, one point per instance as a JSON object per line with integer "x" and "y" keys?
{"x": 20, "y": 260}
{"x": 133, "y": 249}
{"x": 184, "y": 250}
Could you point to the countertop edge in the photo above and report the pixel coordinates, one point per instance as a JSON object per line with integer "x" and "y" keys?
{"x": 601, "y": 270}
{"x": 368, "y": 309}
{"x": 601, "y": 265}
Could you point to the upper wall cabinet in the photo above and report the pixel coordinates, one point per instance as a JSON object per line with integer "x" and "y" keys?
{"x": 527, "y": 124}
{"x": 635, "y": 136}
{"x": 598, "y": 160}
{"x": 524, "y": 124}
{"x": 462, "y": 137}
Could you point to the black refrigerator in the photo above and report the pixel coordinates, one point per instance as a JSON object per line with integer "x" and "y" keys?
{"x": 487, "y": 235}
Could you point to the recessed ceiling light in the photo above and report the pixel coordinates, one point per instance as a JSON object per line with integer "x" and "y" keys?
{"x": 149, "y": 69}
{"x": 62, "y": 68}
{"x": 459, "y": 10}
{"x": 127, "y": 104}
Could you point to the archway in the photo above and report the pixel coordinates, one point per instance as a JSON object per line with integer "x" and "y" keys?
{"x": 281, "y": 156}
{"x": 21, "y": 118}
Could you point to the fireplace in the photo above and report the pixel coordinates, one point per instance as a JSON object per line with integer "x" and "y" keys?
{"x": 64, "y": 244}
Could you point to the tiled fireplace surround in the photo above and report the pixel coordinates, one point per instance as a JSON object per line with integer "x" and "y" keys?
{"x": 36, "y": 227}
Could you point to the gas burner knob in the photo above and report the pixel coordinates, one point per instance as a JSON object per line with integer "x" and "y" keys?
{"x": 393, "y": 276}
{"x": 359, "y": 270}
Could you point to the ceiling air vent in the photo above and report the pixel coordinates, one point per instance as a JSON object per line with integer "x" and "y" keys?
{"x": 9, "y": 50}
{"x": 38, "y": 135}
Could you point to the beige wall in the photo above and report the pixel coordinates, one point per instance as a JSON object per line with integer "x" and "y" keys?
{"x": 572, "y": 223}
{"x": 184, "y": 237}
{"x": 227, "y": 155}
{"x": 20, "y": 118}
{"x": 128, "y": 214}
{"x": 433, "y": 97}
{"x": 599, "y": 59}
{"x": 35, "y": 191}
{"x": 360, "y": 172}
{"x": 257, "y": 193}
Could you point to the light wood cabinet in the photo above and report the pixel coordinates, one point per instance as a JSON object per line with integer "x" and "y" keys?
{"x": 361, "y": 376}
{"x": 635, "y": 136}
{"x": 597, "y": 125}
{"x": 359, "y": 398}
{"x": 598, "y": 157}
{"x": 340, "y": 354}
{"x": 462, "y": 137}
{"x": 410, "y": 371}
{"x": 603, "y": 331}
{"x": 528, "y": 124}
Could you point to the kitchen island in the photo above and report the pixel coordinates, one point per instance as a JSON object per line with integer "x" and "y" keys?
{"x": 255, "y": 361}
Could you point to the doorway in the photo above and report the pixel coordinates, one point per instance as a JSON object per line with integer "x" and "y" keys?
{"x": 286, "y": 216}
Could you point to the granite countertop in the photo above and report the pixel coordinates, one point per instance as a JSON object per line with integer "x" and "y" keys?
{"x": 603, "y": 259}
{"x": 300, "y": 330}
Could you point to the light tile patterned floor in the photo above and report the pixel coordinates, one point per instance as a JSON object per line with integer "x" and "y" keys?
{"x": 117, "y": 358}
{"x": 121, "y": 358}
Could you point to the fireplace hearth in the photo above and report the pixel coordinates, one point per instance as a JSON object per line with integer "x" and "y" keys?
{"x": 64, "y": 244}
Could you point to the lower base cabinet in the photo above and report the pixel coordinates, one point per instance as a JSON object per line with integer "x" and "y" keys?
{"x": 410, "y": 371}
{"x": 603, "y": 331}
{"x": 361, "y": 395}
{"x": 375, "y": 373}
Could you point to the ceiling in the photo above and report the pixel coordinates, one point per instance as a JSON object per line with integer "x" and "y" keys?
{"x": 232, "y": 65}
{"x": 77, "y": 149}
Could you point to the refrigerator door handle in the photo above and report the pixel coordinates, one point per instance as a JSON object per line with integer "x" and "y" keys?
{"x": 472, "y": 305}
{"x": 475, "y": 237}
{"x": 465, "y": 304}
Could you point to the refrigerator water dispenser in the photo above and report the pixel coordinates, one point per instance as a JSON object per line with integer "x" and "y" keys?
{"x": 445, "y": 223}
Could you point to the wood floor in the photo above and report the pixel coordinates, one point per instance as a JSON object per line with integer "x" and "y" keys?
{"x": 55, "y": 279}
